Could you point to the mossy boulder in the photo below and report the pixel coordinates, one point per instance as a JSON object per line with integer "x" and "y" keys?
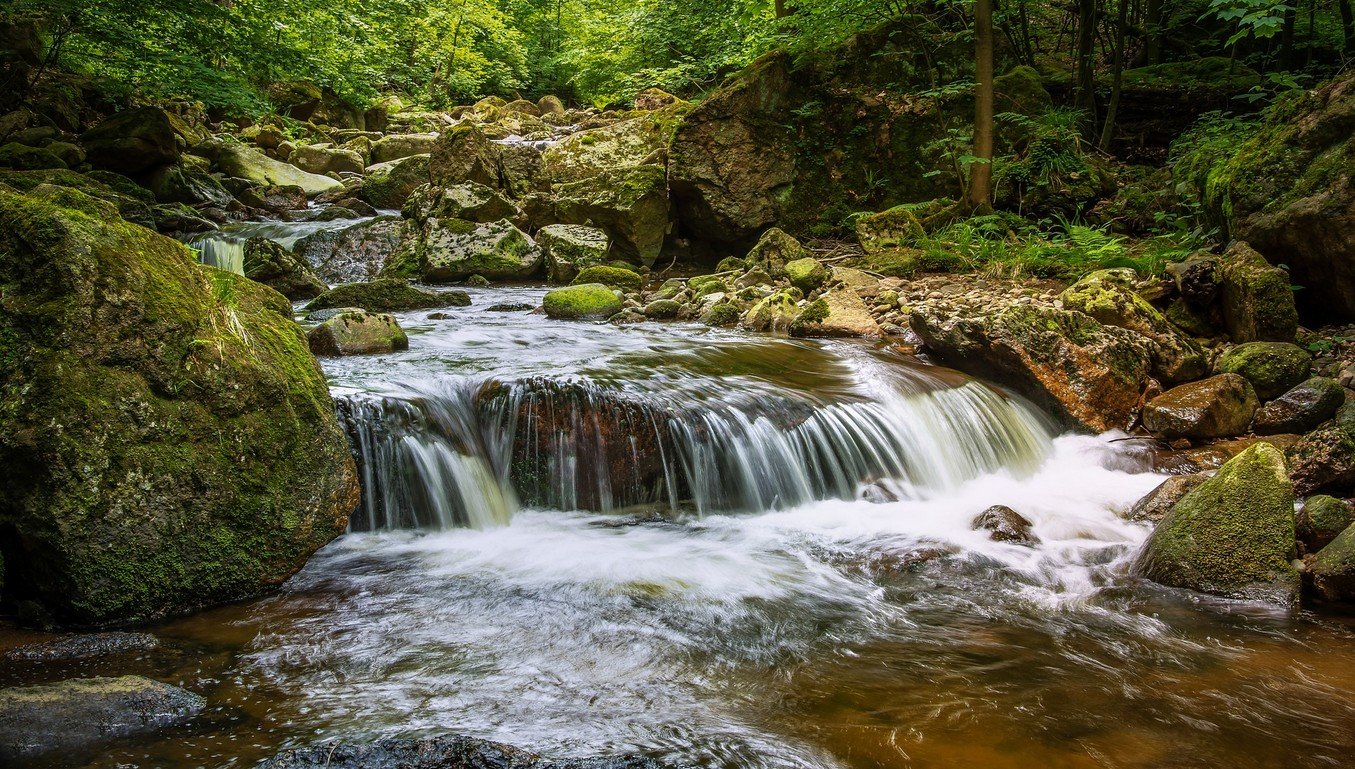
{"x": 662, "y": 309}
{"x": 630, "y": 204}
{"x": 568, "y": 248}
{"x": 1233, "y": 536}
{"x": 1324, "y": 460}
{"x": 326, "y": 159}
{"x": 1021, "y": 90}
{"x": 1321, "y": 519}
{"x": 387, "y": 295}
{"x": 445, "y": 250}
{"x": 355, "y": 253}
{"x": 241, "y": 162}
{"x": 274, "y": 266}
{"x": 133, "y": 202}
{"x": 612, "y": 277}
{"x": 1218, "y": 407}
{"x": 774, "y": 249}
{"x": 586, "y": 301}
{"x": 132, "y": 141}
{"x": 1307, "y": 405}
{"x": 469, "y": 201}
{"x": 1257, "y": 299}
{"x": 170, "y": 442}
{"x": 1332, "y": 570}
{"x": 639, "y": 140}
{"x": 773, "y": 313}
{"x": 1271, "y": 367}
{"x": 389, "y": 185}
{"x": 888, "y": 230}
{"x": 23, "y": 158}
{"x": 463, "y": 153}
{"x": 840, "y": 312}
{"x": 806, "y": 274}
{"x": 1109, "y": 297}
{"x": 396, "y": 146}
{"x": 182, "y": 183}
{"x": 358, "y": 333}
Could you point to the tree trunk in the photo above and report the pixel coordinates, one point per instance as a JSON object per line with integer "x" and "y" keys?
{"x": 1152, "y": 25}
{"x": 1348, "y": 25}
{"x": 1086, "y": 63}
{"x": 981, "y": 170}
{"x": 1287, "y": 38}
{"x": 1117, "y": 77}
{"x": 781, "y": 10}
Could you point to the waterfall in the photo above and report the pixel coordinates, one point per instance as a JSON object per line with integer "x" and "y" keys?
{"x": 222, "y": 253}
{"x": 457, "y": 452}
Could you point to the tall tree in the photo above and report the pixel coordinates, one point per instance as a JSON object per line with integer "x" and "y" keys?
{"x": 981, "y": 170}
{"x": 1117, "y": 76}
{"x": 1086, "y": 58}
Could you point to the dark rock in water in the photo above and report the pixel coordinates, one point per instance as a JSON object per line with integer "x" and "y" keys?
{"x": 1157, "y": 503}
{"x": 387, "y": 295}
{"x": 514, "y": 307}
{"x": 1301, "y": 409}
{"x": 1217, "y": 407}
{"x": 274, "y": 266}
{"x": 80, "y": 712}
{"x": 1321, "y": 519}
{"x": 1006, "y": 525}
{"x": 1332, "y": 570}
{"x": 82, "y": 646}
{"x": 446, "y": 752}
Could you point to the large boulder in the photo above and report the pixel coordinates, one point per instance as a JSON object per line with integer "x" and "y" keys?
{"x": 1321, "y": 520}
{"x": 24, "y": 158}
{"x": 274, "y": 266}
{"x": 132, "y": 201}
{"x": 586, "y": 301}
{"x": 1257, "y": 299}
{"x": 469, "y": 201}
{"x": 1288, "y": 190}
{"x": 326, "y": 159}
{"x": 1109, "y": 297}
{"x": 1271, "y": 367}
{"x": 443, "y": 250}
{"x": 132, "y": 141}
{"x": 774, "y": 250}
{"x": 396, "y": 146}
{"x": 83, "y": 712}
{"x": 1332, "y": 569}
{"x": 611, "y": 277}
{"x": 387, "y": 295}
{"x": 389, "y": 185}
{"x": 445, "y": 752}
{"x": 169, "y": 441}
{"x": 354, "y": 253}
{"x": 241, "y": 162}
{"x": 358, "y": 333}
{"x": 569, "y": 248}
{"x": 1233, "y": 535}
{"x": 630, "y": 204}
{"x": 1218, "y": 407}
{"x": 640, "y": 140}
{"x": 463, "y": 153}
{"x": 1324, "y": 460}
{"x": 1299, "y": 410}
{"x": 1088, "y": 374}
{"x": 839, "y": 312}
{"x": 182, "y": 183}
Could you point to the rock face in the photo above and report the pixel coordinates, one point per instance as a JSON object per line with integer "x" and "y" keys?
{"x": 446, "y": 752}
{"x": 569, "y": 248}
{"x": 357, "y": 333}
{"x": 244, "y": 162}
{"x": 42, "y": 719}
{"x": 588, "y": 300}
{"x": 387, "y": 295}
{"x": 280, "y": 269}
{"x": 353, "y": 253}
{"x": 1271, "y": 367}
{"x": 1233, "y": 536}
{"x": 132, "y": 141}
{"x": 1306, "y": 406}
{"x": 1218, "y": 407}
{"x": 444, "y": 250}
{"x": 1108, "y": 296}
{"x": 1088, "y": 374}
{"x": 1288, "y": 191}
{"x": 135, "y": 384}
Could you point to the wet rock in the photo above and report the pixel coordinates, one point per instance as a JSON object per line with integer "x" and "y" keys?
{"x": 1218, "y": 407}
{"x": 806, "y": 274}
{"x": 358, "y": 333}
{"x": 1306, "y": 406}
{"x": 281, "y": 270}
{"x": 36, "y": 720}
{"x": 468, "y": 201}
{"x": 445, "y": 250}
{"x": 1321, "y": 519}
{"x": 1332, "y": 569}
{"x": 1271, "y": 367}
{"x": 721, "y": 314}
{"x": 1086, "y": 373}
{"x": 1233, "y": 535}
{"x": 1004, "y": 524}
{"x": 445, "y": 752}
{"x": 390, "y": 184}
{"x": 630, "y": 204}
{"x": 568, "y": 248}
{"x": 83, "y": 646}
{"x": 243, "y": 162}
{"x": 1324, "y": 461}
{"x": 591, "y": 300}
{"x": 839, "y": 312}
{"x": 1257, "y": 301}
{"x": 387, "y": 295}
{"x": 662, "y": 309}
{"x": 326, "y": 159}
{"x": 612, "y": 277}
{"x": 355, "y": 253}
{"x": 162, "y": 374}
{"x": 397, "y": 146}
{"x": 773, "y": 313}
{"x": 132, "y": 141}
{"x": 1157, "y": 503}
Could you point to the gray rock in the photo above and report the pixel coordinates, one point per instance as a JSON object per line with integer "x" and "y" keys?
{"x": 1005, "y": 525}
{"x": 1157, "y": 503}
{"x": 444, "y": 752}
{"x": 1301, "y": 409}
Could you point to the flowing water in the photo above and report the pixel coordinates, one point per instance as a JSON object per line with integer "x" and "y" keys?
{"x": 224, "y": 248}
{"x": 726, "y": 550}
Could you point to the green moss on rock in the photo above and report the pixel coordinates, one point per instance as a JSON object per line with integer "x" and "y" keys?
{"x": 387, "y": 295}
{"x": 612, "y": 277}
{"x": 590, "y": 300}
{"x": 1271, "y": 367}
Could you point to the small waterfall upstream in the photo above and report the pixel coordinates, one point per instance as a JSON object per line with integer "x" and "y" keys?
{"x": 457, "y": 452}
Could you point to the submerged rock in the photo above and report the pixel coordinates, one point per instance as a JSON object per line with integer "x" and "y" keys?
{"x": 83, "y": 646}
{"x": 445, "y": 752}
{"x": 589, "y": 300}
{"x": 176, "y": 439}
{"x": 1233, "y": 535}
{"x": 387, "y": 295}
{"x": 1004, "y": 524}
{"x": 86, "y": 711}
{"x": 1218, "y": 407}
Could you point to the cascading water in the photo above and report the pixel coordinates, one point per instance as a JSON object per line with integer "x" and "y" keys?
{"x": 224, "y": 248}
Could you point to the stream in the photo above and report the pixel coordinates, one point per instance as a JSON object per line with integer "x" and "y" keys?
{"x": 732, "y": 550}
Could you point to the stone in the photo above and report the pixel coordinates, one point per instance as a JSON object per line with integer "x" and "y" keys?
{"x": 83, "y": 646}
{"x": 442, "y": 752}
{"x": 806, "y": 274}
{"x": 631, "y": 205}
{"x": 1271, "y": 367}
{"x": 637, "y": 141}
{"x": 1332, "y": 569}
{"x": 387, "y": 295}
{"x": 1321, "y": 519}
{"x": 662, "y": 309}
{"x": 550, "y": 105}
{"x": 132, "y": 141}
{"x": 1109, "y": 297}
{"x": 654, "y": 98}
{"x": 773, "y": 313}
{"x": 1324, "y": 461}
{"x": 888, "y": 230}
{"x": 390, "y": 185}
{"x": 181, "y": 183}
{"x": 445, "y": 250}
{"x": 319, "y": 159}
{"x": 589, "y": 300}
{"x": 81, "y": 712}
{"x": 1155, "y": 505}
{"x": 1218, "y": 407}
{"x": 774, "y": 249}
{"x": 396, "y": 146}
{"x": 463, "y": 153}
{"x": 1004, "y": 524}
{"x": 568, "y": 248}
{"x": 24, "y": 158}
{"x": 469, "y": 201}
{"x": 612, "y": 277}
{"x": 281, "y": 270}
{"x": 138, "y": 383}
{"x": 1233, "y": 535}
{"x": 243, "y": 162}
{"x": 355, "y": 253}
{"x": 721, "y": 314}
{"x": 839, "y": 312}
{"x": 358, "y": 333}
{"x": 1307, "y": 405}
{"x": 1086, "y": 374}
{"x": 1257, "y": 301}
